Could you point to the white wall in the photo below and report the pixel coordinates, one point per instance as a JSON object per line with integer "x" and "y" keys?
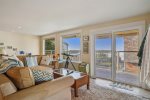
{"x": 86, "y": 31}
{"x": 27, "y": 43}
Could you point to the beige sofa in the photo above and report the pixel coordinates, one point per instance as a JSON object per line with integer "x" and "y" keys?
{"x": 57, "y": 89}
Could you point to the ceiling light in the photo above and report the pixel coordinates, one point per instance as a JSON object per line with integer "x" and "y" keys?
{"x": 19, "y": 27}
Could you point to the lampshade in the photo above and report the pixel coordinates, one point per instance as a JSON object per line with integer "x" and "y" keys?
{"x": 2, "y": 51}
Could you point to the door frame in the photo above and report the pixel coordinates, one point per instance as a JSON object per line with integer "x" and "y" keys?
{"x": 140, "y": 25}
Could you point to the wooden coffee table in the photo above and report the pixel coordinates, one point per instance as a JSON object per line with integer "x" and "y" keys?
{"x": 79, "y": 77}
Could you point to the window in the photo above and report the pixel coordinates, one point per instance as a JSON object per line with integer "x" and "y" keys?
{"x": 72, "y": 45}
{"x": 49, "y": 46}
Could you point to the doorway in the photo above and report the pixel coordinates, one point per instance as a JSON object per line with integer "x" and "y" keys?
{"x": 116, "y": 56}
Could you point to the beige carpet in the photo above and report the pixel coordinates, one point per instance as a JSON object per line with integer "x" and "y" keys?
{"x": 97, "y": 92}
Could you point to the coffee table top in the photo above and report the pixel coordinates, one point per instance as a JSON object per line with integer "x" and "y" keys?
{"x": 65, "y": 72}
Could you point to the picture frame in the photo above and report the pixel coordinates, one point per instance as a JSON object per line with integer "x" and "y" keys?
{"x": 9, "y": 47}
{"x": 14, "y": 49}
{"x": 2, "y": 44}
{"x": 85, "y": 38}
{"x": 85, "y": 47}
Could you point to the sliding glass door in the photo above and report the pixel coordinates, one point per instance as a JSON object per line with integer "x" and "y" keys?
{"x": 103, "y": 56}
{"x": 116, "y": 56}
{"x": 126, "y": 62}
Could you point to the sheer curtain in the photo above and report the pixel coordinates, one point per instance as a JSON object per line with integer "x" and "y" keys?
{"x": 146, "y": 63}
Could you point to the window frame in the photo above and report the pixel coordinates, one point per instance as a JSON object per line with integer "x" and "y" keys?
{"x": 72, "y": 33}
{"x": 44, "y": 53}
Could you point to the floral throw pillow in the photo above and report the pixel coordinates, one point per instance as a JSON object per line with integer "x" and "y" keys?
{"x": 45, "y": 60}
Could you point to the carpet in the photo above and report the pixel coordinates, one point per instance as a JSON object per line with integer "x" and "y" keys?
{"x": 97, "y": 92}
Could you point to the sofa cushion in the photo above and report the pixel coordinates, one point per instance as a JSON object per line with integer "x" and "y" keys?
{"x": 6, "y": 86}
{"x": 45, "y": 60}
{"x": 31, "y": 61}
{"x": 1, "y": 95}
{"x": 21, "y": 76}
{"x": 42, "y": 74}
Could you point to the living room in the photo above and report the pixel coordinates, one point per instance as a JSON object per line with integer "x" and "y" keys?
{"x": 74, "y": 50}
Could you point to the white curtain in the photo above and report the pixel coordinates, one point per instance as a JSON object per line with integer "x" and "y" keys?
{"x": 146, "y": 63}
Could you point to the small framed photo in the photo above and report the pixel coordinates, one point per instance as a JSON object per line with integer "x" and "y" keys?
{"x": 14, "y": 49}
{"x": 9, "y": 47}
{"x": 85, "y": 38}
{"x": 85, "y": 47}
{"x": 2, "y": 44}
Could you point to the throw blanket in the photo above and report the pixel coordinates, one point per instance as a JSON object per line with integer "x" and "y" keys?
{"x": 7, "y": 64}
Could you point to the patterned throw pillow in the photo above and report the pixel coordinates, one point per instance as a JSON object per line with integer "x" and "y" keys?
{"x": 45, "y": 60}
{"x": 31, "y": 61}
{"x": 42, "y": 74}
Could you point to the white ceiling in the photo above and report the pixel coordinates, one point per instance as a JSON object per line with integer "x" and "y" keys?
{"x": 39, "y": 17}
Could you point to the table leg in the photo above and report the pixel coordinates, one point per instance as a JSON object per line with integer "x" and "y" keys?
{"x": 76, "y": 92}
{"x": 88, "y": 86}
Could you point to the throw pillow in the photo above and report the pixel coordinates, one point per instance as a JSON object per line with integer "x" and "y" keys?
{"x": 21, "y": 76}
{"x": 31, "y": 61}
{"x": 42, "y": 74}
{"x": 45, "y": 60}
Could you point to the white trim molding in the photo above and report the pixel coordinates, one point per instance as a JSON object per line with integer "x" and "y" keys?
{"x": 140, "y": 25}
{"x": 71, "y": 33}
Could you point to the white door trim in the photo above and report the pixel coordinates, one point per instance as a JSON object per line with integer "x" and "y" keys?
{"x": 122, "y": 27}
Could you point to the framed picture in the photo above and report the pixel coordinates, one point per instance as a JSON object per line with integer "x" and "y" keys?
{"x": 14, "y": 49}
{"x": 2, "y": 44}
{"x": 9, "y": 47}
{"x": 85, "y": 38}
{"x": 85, "y": 47}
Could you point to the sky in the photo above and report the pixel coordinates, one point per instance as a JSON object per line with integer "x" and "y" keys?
{"x": 105, "y": 44}
{"x": 74, "y": 43}
{"x": 101, "y": 44}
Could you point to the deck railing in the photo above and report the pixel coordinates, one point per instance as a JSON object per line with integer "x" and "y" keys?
{"x": 74, "y": 58}
{"x": 49, "y": 52}
{"x": 76, "y": 53}
{"x": 125, "y": 60}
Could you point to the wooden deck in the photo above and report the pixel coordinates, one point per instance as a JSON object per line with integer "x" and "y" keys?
{"x": 124, "y": 77}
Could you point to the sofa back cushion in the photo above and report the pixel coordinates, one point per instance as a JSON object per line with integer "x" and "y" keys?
{"x": 6, "y": 86}
{"x": 23, "y": 58}
{"x": 21, "y": 76}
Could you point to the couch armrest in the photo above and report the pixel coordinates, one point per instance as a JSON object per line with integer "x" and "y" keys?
{"x": 41, "y": 91}
{"x": 6, "y": 86}
{"x": 1, "y": 95}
